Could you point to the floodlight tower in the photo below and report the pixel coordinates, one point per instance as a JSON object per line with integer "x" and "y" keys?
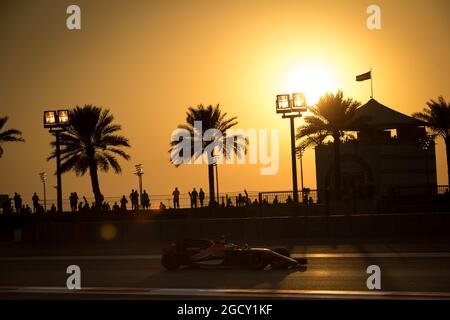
{"x": 291, "y": 108}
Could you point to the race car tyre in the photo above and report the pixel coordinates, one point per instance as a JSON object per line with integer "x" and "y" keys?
{"x": 258, "y": 261}
{"x": 170, "y": 261}
{"x": 283, "y": 251}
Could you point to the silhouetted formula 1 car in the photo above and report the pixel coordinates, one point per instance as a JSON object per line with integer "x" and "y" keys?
{"x": 180, "y": 254}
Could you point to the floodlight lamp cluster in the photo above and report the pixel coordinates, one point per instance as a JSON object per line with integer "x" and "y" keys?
{"x": 139, "y": 169}
{"x": 56, "y": 118}
{"x": 287, "y": 104}
{"x": 43, "y": 177}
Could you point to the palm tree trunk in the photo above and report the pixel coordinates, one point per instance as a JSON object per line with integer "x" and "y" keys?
{"x": 211, "y": 184}
{"x": 337, "y": 166}
{"x": 95, "y": 184}
{"x": 447, "y": 151}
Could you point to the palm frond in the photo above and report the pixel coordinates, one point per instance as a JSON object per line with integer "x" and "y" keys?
{"x": 211, "y": 117}
{"x": 10, "y": 135}
{"x": 436, "y": 116}
{"x": 331, "y": 116}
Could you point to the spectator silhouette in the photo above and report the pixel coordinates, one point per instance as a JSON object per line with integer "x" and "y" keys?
{"x": 35, "y": 200}
{"x": 176, "y": 198}
{"x": 201, "y": 197}
{"x": 194, "y": 197}
{"x": 229, "y": 202}
{"x": 86, "y": 205}
{"x": 123, "y": 203}
{"x": 240, "y": 200}
{"x": 247, "y": 199}
{"x": 289, "y": 199}
{"x": 39, "y": 209}
{"x": 145, "y": 200}
{"x": 132, "y": 195}
{"x": 275, "y": 201}
{"x": 72, "y": 204}
{"x": 53, "y": 208}
{"x": 305, "y": 198}
{"x": 136, "y": 200}
{"x": 116, "y": 207}
{"x": 106, "y": 207}
{"x": 162, "y": 206}
{"x": 73, "y": 201}
{"x": 17, "y": 202}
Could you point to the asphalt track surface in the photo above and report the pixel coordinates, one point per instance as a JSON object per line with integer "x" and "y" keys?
{"x": 412, "y": 273}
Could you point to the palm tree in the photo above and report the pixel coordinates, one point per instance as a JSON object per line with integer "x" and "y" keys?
{"x": 331, "y": 116}
{"x": 436, "y": 116}
{"x": 210, "y": 118}
{"x": 89, "y": 143}
{"x": 10, "y": 135}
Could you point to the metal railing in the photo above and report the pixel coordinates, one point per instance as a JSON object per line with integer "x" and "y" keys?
{"x": 232, "y": 198}
{"x": 394, "y": 199}
{"x": 306, "y": 196}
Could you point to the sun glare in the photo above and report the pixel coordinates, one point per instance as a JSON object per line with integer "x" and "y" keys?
{"x": 314, "y": 81}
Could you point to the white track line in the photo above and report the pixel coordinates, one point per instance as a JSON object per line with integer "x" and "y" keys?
{"x": 295, "y": 255}
{"x": 236, "y": 293}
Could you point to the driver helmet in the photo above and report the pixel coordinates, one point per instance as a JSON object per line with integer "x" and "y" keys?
{"x": 222, "y": 239}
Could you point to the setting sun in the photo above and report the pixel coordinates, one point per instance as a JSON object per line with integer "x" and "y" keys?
{"x": 312, "y": 80}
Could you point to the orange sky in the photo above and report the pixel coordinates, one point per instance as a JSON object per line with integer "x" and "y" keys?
{"x": 147, "y": 61}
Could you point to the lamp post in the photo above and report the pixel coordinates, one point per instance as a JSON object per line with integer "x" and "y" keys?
{"x": 217, "y": 182}
{"x": 43, "y": 177}
{"x": 139, "y": 172}
{"x": 57, "y": 121}
{"x": 291, "y": 108}
{"x": 301, "y": 150}
{"x": 216, "y": 165}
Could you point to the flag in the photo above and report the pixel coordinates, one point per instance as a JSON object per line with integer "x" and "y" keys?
{"x": 364, "y": 76}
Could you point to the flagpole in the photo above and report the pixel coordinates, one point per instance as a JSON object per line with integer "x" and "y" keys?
{"x": 371, "y": 84}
